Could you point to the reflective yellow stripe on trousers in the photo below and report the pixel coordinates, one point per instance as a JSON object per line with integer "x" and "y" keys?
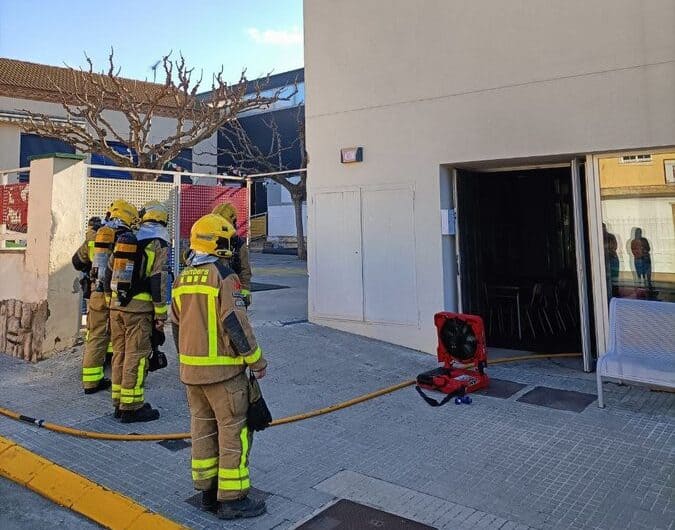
{"x": 91, "y": 375}
{"x": 204, "y": 468}
{"x": 136, "y": 394}
{"x": 237, "y": 479}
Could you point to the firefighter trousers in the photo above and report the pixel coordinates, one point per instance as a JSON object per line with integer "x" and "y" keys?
{"x": 131, "y": 349}
{"x": 97, "y": 340}
{"x": 221, "y": 441}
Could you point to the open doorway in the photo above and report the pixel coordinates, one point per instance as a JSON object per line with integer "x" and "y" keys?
{"x": 517, "y": 255}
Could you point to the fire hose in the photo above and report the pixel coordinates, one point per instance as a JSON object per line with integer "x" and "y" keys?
{"x": 62, "y": 429}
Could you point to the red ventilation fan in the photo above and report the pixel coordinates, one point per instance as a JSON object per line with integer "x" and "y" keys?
{"x": 462, "y": 350}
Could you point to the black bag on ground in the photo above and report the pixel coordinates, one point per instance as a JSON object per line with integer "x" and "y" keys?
{"x": 258, "y": 416}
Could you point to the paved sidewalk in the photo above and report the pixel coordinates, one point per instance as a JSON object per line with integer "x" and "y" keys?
{"x": 498, "y": 463}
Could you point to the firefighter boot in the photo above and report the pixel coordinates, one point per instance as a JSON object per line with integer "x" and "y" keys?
{"x": 145, "y": 413}
{"x": 210, "y": 500}
{"x": 103, "y": 384}
{"x": 241, "y": 508}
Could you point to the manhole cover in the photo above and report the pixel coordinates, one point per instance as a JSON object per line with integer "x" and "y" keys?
{"x": 174, "y": 445}
{"x": 196, "y": 500}
{"x": 554, "y": 398}
{"x": 501, "y": 388}
{"x": 257, "y": 287}
{"x": 348, "y": 515}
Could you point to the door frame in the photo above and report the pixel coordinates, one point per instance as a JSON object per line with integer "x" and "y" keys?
{"x": 581, "y": 233}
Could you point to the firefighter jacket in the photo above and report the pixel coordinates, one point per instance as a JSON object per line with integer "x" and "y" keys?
{"x": 84, "y": 256}
{"x": 151, "y": 295}
{"x": 240, "y": 264}
{"x": 212, "y": 333}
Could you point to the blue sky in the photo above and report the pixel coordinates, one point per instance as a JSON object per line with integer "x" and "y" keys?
{"x": 261, "y": 35}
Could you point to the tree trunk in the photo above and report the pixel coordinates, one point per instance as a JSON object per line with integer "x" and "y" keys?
{"x": 299, "y": 229}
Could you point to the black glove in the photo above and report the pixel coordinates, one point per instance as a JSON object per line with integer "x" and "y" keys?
{"x": 85, "y": 284}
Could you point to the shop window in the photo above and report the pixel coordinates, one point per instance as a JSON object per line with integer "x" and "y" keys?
{"x": 638, "y": 221}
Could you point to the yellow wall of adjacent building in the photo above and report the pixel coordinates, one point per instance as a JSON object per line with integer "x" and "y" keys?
{"x": 617, "y": 174}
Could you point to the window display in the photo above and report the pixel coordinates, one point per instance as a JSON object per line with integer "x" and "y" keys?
{"x": 638, "y": 225}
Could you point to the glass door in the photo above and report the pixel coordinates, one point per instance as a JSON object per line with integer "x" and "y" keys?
{"x": 580, "y": 233}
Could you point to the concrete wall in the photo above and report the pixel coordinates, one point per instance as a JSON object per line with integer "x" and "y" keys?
{"x": 281, "y": 220}
{"x": 39, "y": 309}
{"x": 421, "y": 85}
{"x": 12, "y": 263}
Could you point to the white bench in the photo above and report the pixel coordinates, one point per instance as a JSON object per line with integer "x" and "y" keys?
{"x": 641, "y": 344}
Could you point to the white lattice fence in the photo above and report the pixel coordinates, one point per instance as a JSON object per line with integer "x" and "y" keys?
{"x": 101, "y": 192}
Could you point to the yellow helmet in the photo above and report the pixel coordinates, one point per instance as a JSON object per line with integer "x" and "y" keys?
{"x": 228, "y": 211}
{"x": 211, "y": 234}
{"x": 154, "y": 211}
{"x": 125, "y": 212}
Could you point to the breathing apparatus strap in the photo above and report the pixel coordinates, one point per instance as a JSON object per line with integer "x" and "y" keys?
{"x": 435, "y": 403}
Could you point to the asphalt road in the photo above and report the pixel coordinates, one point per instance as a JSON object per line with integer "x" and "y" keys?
{"x": 21, "y": 509}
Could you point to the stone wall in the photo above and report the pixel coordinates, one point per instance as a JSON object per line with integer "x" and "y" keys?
{"x": 22, "y": 329}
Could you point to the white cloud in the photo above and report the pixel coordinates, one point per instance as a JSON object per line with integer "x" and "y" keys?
{"x": 281, "y": 37}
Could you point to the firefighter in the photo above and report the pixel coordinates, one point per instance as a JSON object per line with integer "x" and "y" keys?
{"x": 84, "y": 256}
{"x": 216, "y": 345}
{"x": 154, "y": 218}
{"x": 90, "y": 256}
{"x": 137, "y": 283}
{"x": 240, "y": 262}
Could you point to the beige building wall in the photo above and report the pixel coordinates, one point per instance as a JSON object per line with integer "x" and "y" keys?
{"x": 425, "y": 84}
{"x": 10, "y": 135}
{"x": 162, "y": 127}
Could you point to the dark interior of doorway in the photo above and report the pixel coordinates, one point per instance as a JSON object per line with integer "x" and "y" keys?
{"x": 517, "y": 256}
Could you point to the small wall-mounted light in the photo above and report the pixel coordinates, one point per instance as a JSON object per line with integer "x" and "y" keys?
{"x": 350, "y": 155}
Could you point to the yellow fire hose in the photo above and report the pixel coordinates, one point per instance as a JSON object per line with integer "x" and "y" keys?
{"x": 281, "y": 421}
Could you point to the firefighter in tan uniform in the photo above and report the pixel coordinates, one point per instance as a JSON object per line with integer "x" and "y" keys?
{"x": 137, "y": 281}
{"x": 239, "y": 262}
{"x": 216, "y": 345}
{"x": 90, "y": 257}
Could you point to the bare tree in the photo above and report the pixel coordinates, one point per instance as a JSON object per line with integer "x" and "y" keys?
{"x": 86, "y": 96}
{"x": 248, "y": 157}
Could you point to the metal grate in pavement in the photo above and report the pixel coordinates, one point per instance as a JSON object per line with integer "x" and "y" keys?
{"x": 257, "y": 287}
{"x": 348, "y": 515}
{"x": 196, "y": 500}
{"x": 554, "y": 398}
{"x": 174, "y": 445}
{"x": 501, "y": 388}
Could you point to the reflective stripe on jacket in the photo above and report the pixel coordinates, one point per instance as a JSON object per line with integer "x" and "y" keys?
{"x": 214, "y": 336}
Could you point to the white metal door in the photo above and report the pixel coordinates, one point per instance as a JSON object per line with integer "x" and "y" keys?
{"x": 580, "y": 234}
{"x": 337, "y": 273}
{"x": 389, "y": 255}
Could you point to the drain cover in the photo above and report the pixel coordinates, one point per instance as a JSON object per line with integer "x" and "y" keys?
{"x": 257, "y": 287}
{"x": 554, "y": 398}
{"x": 348, "y": 515}
{"x": 196, "y": 500}
{"x": 174, "y": 445}
{"x": 501, "y": 388}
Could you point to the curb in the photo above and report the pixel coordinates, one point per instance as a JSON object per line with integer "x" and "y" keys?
{"x": 76, "y": 492}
